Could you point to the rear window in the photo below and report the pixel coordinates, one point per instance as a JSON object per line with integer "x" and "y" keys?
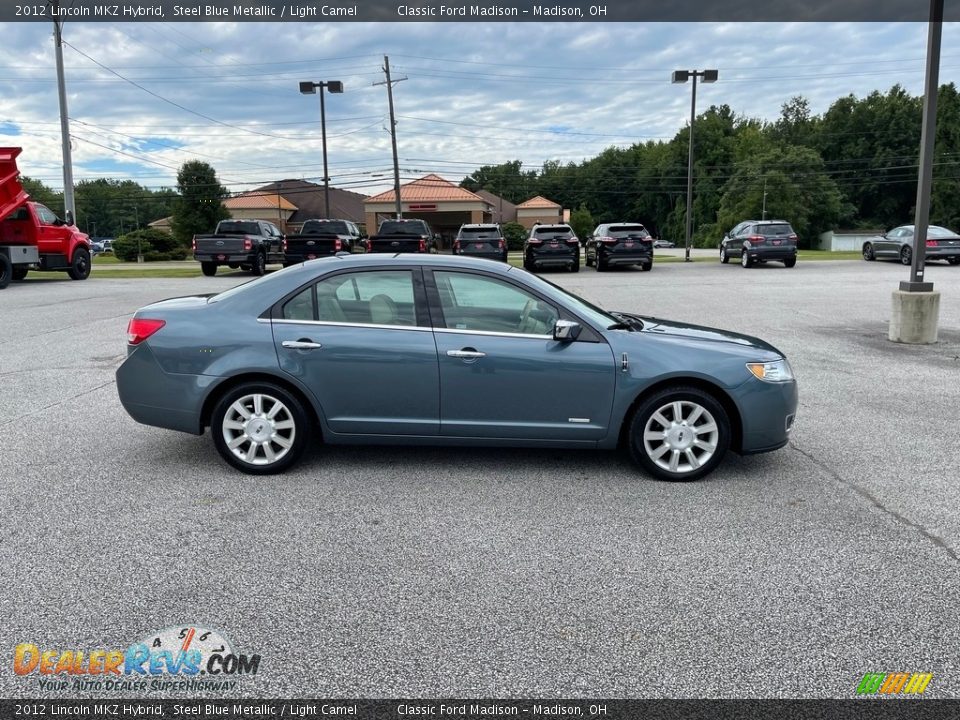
{"x": 939, "y": 232}
{"x": 553, "y": 231}
{"x": 619, "y": 231}
{"x": 480, "y": 233}
{"x": 234, "y": 226}
{"x": 780, "y": 229}
{"x": 320, "y": 226}
{"x": 394, "y": 227}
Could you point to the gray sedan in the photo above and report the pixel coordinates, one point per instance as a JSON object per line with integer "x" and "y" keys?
{"x": 898, "y": 244}
{"x": 440, "y": 350}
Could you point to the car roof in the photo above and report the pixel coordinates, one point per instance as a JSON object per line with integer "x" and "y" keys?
{"x": 479, "y": 225}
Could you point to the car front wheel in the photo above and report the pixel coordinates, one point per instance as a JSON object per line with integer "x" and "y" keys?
{"x": 80, "y": 265}
{"x": 679, "y": 434}
{"x": 260, "y": 428}
{"x": 724, "y": 258}
{"x": 868, "y": 253}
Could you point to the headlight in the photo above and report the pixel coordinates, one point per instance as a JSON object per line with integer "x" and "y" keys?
{"x": 776, "y": 371}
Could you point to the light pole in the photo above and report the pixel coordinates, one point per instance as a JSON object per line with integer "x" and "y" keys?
{"x": 310, "y": 88}
{"x": 681, "y": 76}
{"x": 764, "y": 214}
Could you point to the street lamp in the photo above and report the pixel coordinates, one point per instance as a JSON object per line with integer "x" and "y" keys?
{"x": 679, "y": 77}
{"x": 310, "y": 88}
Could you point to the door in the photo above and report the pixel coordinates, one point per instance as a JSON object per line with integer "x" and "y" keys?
{"x": 51, "y": 237}
{"x": 501, "y": 373}
{"x": 362, "y": 344}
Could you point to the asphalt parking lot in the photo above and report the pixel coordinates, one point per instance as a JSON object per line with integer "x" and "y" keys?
{"x": 388, "y": 572}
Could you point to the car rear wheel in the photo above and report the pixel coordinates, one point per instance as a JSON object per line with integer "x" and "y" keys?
{"x": 259, "y": 265}
{"x": 208, "y": 268}
{"x": 790, "y": 262}
{"x": 647, "y": 266}
{"x": 745, "y": 261}
{"x": 602, "y": 265}
{"x": 575, "y": 267}
{"x": 20, "y": 272}
{"x": 679, "y": 434}
{"x": 954, "y": 260}
{"x": 80, "y": 265}
{"x": 529, "y": 265}
{"x": 906, "y": 256}
{"x": 260, "y": 428}
{"x": 724, "y": 258}
{"x": 868, "y": 253}
{"x": 587, "y": 260}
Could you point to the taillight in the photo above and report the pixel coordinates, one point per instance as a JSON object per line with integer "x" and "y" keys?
{"x": 284, "y": 244}
{"x": 793, "y": 237}
{"x": 337, "y": 245}
{"x": 535, "y": 241}
{"x": 757, "y": 239}
{"x": 932, "y": 243}
{"x": 456, "y": 246}
{"x": 139, "y": 329}
{"x": 423, "y": 245}
{"x": 501, "y": 244}
{"x": 573, "y": 241}
{"x": 247, "y": 243}
{"x": 193, "y": 244}
{"x": 608, "y": 240}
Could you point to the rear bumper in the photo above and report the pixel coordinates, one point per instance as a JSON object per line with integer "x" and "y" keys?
{"x": 626, "y": 258}
{"x": 498, "y": 255}
{"x": 294, "y": 258}
{"x": 772, "y": 253}
{"x": 154, "y": 397}
{"x": 942, "y": 253}
{"x": 548, "y": 259}
{"x": 223, "y": 258}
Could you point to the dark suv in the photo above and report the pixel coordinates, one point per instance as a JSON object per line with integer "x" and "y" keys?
{"x": 619, "y": 244}
{"x": 757, "y": 241}
{"x": 483, "y": 241}
{"x": 551, "y": 246}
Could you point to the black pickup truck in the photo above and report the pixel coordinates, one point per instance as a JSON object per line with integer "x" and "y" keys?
{"x": 246, "y": 244}
{"x": 321, "y": 238}
{"x": 403, "y": 236}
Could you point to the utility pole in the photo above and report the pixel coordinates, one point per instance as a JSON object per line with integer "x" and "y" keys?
{"x": 764, "y": 198}
{"x": 69, "y": 205}
{"x": 393, "y": 133}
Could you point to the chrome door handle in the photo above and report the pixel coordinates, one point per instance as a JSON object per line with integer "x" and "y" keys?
{"x": 468, "y": 354}
{"x": 301, "y": 344}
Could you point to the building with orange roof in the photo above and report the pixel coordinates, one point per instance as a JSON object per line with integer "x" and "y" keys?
{"x": 443, "y": 204}
{"x": 269, "y": 207}
{"x": 539, "y": 210}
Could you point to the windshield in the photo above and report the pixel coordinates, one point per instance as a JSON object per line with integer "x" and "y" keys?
{"x": 595, "y": 315}
{"x": 232, "y": 226}
{"x": 394, "y": 227}
{"x": 324, "y": 226}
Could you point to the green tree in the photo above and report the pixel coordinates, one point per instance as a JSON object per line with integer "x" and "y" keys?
{"x": 42, "y": 194}
{"x": 582, "y": 222}
{"x": 152, "y": 243}
{"x": 508, "y": 180}
{"x": 515, "y": 233}
{"x": 200, "y": 205}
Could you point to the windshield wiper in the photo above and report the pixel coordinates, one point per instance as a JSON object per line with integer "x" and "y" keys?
{"x": 627, "y": 322}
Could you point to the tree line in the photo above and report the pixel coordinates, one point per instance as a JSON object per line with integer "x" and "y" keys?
{"x": 854, "y": 167}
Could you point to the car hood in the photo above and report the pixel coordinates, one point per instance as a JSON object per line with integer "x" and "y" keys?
{"x": 679, "y": 330}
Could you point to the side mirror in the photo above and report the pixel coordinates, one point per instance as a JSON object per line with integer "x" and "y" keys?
{"x": 566, "y": 330}
{"x": 68, "y": 218}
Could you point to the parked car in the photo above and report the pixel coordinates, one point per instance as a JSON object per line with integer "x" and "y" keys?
{"x": 660, "y": 243}
{"x": 404, "y": 235}
{"x": 446, "y": 350}
{"x": 319, "y": 238}
{"x": 551, "y": 246}
{"x": 481, "y": 240}
{"x": 96, "y": 247}
{"x": 108, "y": 245}
{"x": 759, "y": 241}
{"x": 941, "y": 244}
{"x": 245, "y": 244}
{"x": 619, "y": 244}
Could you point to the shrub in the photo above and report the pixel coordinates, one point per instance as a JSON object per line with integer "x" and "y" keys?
{"x": 153, "y": 244}
{"x": 515, "y": 233}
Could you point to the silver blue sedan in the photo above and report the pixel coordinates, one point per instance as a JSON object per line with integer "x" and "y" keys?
{"x": 439, "y": 350}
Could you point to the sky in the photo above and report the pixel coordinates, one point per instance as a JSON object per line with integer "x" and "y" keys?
{"x": 145, "y": 97}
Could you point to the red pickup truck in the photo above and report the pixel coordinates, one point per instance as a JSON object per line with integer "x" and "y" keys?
{"x": 31, "y": 235}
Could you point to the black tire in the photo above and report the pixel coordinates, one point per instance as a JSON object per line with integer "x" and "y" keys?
{"x": 647, "y": 267}
{"x": 208, "y": 268}
{"x": 643, "y": 452}
{"x": 529, "y": 265}
{"x": 906, "y": 255}
{"x": 259, "y": 265}
{"x": 954, "y": 260}
{"x": 233, "y": 266}
{"x": 20, "y": 272}
{"x": 602, "y": 265}
{"x": 80, "y": 265}
{"x": 586, "y": 259}
{"x": 745, "y": 261}
{"x": 576, "y": 266}
{"x": 790, "y": 262}
{"x": 868, "y": 254}
{"x": 297, "y": 434}
{"x": 6, "y": 271}
{"x": 724, "y": 258}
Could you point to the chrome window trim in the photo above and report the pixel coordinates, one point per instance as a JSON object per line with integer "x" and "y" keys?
{"x": 491, "y": 333}
{"x": 286, "y": 321}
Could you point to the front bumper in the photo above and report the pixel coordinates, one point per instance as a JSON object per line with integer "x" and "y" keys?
{"x": 768, "y": 411}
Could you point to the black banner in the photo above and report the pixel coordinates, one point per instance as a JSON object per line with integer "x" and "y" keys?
{"x": 481, "y": 11}
{"x": 109, "y": 709}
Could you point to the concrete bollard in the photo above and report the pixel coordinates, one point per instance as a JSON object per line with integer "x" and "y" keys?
{"x": 915, "y": 317}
